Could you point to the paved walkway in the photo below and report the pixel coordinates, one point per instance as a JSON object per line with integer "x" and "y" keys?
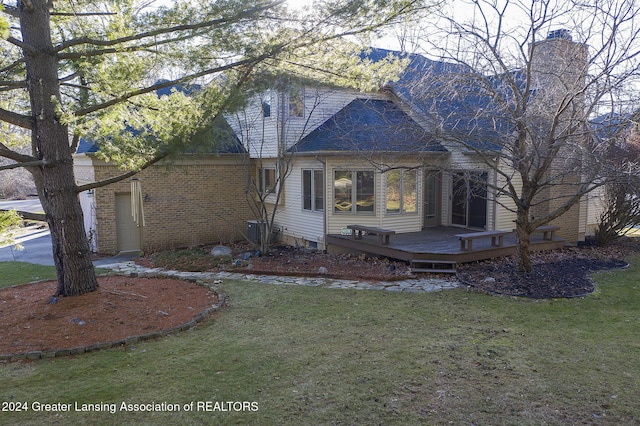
{"x": 417, "y": 285}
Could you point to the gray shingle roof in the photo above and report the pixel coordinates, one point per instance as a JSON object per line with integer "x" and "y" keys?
{"x": 367, "y": 125}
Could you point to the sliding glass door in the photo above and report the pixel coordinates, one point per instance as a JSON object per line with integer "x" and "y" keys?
{"x": 469, "y": 200}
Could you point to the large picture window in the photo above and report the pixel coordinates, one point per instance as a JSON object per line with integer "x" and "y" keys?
{"x": 313, "y": 190}
{"x": 401, "y": 191}
{"x": 354, "y": 191}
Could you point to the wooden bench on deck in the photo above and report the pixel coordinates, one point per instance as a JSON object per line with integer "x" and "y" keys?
{"x": 466, "y": 240}
{"x": 383, "y": 234}
{"x": 547, "y": 231}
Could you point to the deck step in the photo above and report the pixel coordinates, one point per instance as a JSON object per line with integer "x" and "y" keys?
{"x": 433, "y": 266}
{"x": 434, "y": 271}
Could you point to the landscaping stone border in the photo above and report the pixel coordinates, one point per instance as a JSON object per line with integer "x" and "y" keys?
{"x": 415, "y": 285}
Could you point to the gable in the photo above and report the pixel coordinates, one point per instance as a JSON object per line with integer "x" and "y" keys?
{"x": 452, "y": 98}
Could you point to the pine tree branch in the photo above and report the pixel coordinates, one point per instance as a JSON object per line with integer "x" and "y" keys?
{"x": 246, "y": 62}
{"x": 24, "y": 46}
{"x": 105, "y": 182}
{"x": 162, "y": 31}
{"x": 16, "y": 119}
{"x": 15, "y": 156}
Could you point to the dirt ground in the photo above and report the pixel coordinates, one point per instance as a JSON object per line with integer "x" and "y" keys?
{"x": 32, "y": 320}
{"x": 558, "y": 273}
{"x": 127, "y": 306}
{"x": 287, "y": 260}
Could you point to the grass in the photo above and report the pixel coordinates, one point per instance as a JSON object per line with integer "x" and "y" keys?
{"x": 322, "y": 356}
{"x": 14, "y": 273}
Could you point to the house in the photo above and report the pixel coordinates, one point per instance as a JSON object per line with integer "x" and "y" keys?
{"x": 190, "y": 200}
{"x": 398, "y": 161}
{"x": 340, "y": 158}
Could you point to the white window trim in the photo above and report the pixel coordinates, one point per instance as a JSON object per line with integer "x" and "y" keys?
{"x": 401, "y": 210}
{"x": 267, "y": 195}
{"x": 314, "y": 207}
{"x": 354, "y": 193}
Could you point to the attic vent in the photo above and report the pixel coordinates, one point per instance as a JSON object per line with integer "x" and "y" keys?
{"x": 562, "y": 34}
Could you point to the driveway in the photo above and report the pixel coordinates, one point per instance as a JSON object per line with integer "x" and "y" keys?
{"x": 36, "y": 249}
{"x": 31, "y": 205}
{"x": 37, "y": 244}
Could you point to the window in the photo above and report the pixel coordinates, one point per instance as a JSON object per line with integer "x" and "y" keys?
{"x": 401, "y": 191}
{"x": 296, "y": 102}
{"x": 266, "y": 105}
{"x": 267, "y": 180}
{"x": 266, "y": 109}
{"x": 313, "y": 190}
{"x": 345, "y": 198}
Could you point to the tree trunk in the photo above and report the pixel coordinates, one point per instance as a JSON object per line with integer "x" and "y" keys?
{"x": 523, "y": 234}
{"x": 50, "y": 143}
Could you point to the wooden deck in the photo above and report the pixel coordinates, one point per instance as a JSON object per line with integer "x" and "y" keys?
{"x": 435, "y": 249}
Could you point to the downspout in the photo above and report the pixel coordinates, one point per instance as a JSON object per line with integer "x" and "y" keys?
{"x": 325, "y": 216}
{"x": 495, "y": 193}
{"x": 327, "y": 204}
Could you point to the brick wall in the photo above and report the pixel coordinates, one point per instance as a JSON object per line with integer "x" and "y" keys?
{"x": 555, "y": 196}
{"x": 190, "y": 202}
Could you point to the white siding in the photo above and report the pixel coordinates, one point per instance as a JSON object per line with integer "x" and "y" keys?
{"x": 258, "y": 134}
{"x": 594, "y": 204}
{"x": 294, "y": 222}
{"x": 87, "y": 199}
{"x": 445, "y": 213}
{"x": 463, "y": 162}
{"x": 262, "y": 135}
{"x": 505, "y": 213}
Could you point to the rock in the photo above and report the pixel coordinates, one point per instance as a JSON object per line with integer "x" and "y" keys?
{"x": 78, "y": 321}
{"x": 489, "y": 280}
{"x": 246, "y": 256}
{"x": 219, "y": 251}
{"x": 323, "y": 271}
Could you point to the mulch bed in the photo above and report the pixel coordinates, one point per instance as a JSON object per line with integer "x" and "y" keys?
{"x": 555, "y": 274}
{"x": 559, "y": 273}
{"x": 564, "y": 278}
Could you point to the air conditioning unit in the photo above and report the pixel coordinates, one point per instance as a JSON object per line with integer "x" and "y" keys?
{"x": 255, "y": 228}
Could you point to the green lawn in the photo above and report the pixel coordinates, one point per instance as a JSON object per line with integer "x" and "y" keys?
{"x": 320, "y": 356}
{"x": 13, "y": 273}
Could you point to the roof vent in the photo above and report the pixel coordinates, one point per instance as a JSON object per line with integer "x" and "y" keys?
{"x": 561, "y": 34}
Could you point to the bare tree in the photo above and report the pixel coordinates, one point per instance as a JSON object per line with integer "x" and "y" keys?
{"x": 70, "y": 70}
{"x": 269, "y": 128}
{"x": 515, "y": 84}
{"x": 621, "y": 195}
